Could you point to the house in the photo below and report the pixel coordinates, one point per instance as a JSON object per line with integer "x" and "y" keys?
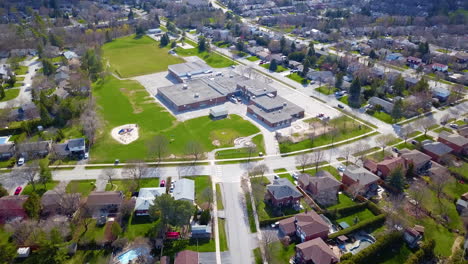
{"x": 462, "y": 206}
{"x": 323, "y": 187}
{"x": 437, "y": 169}
{"x": 76, "y": 145}
{"x": 201, "y": 231}
{"x": 321, "y": 76}
{"x": 294, "y": 64}
{"x": 458, "y": 143}
{"x": 70, "y": 55}
{"x": 146, "y": 198}
{"x": 282, "y": 193}
{"x": 358, "y": 175}
{"x": 275, "y": 56}
{"x": 461, "y": 57}
{"x": 104, "y": 203}
{"x": 186, "y": 257}
{"x": 393, "y": 56}
{"x": 310, "y": 225}
{"x": 385, "y": 167}
{"x": 287, "y": 227}
{"x": 54, "y": 203}
{"x": 61, "y": 76}
{"x": 413, "y": 62}
{"x": 32, "y": 150}
{"x": 27, "y": 111}
{"x": 412, "y": 237}
{"x": 439, "y": 67}
{"x": 11, "y": 208}
{"x": 410, "y": 81}
{"x": 386, "y": 105}
{"x": 415, "y": 158}
{"x": 463, "y": 131}
{"x": 437, "y": 150}
{"x": 440, "y": 93}
{"x": 184, "y": 189}
{"x": 7, "y": 151}
{"x": 315, "y": 251}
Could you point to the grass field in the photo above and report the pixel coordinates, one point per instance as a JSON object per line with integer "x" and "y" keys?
{"x": 201, "y": 183}
{"x": 278, "y": 69}
{"x": 10, "y": 94}
{"x": 280, "y": 253}
{"x": 138, "y": 226}
{"x": 122, "y": 185}
{"x": 327, "y": 90}
{"x": 253, "y": 58}
{"x": 39, "y": 188}
{"x": 22, "y": 70}
{"x": 382, "y": 116}
{"x": 343, "y": 201}
{"x": 214, "y": 60}
{"x": 359, "y": 216}
{"x": 129, "y": 56}
{"x": 127, "y": 102}
{"x": 242, "y": 152}
{"x": 248, "y": 202}
{"x": 296, "y": 77}
{"x": 332, "y": 170}
{"x": 223, "y": 245}
{"x": 219, "y": 197}
{"x": 83, "y": 186}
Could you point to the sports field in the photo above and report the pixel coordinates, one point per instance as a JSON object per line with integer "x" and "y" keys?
{"x": 130, "y": 56}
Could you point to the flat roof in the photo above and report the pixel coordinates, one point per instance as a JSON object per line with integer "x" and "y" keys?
{"x": 269, "y": 103}
{"x": 182, "y": 69}
{"x": 256, "y": 87}
{"x": 285, "y": 113}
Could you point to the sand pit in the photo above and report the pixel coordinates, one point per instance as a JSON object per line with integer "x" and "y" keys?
{"x": 125, "y": 134}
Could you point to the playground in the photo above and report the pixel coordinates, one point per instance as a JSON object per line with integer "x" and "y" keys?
{"x": 125, "y": 134}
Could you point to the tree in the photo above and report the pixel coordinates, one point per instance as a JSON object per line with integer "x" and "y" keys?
{"x": 116, "y": 230}
{"x": 354, "y": 99}
{"x": 205, "y": 217}
{"x": 7, "y": 252}
{"x": 47, "y": 67}
{"x": 397, "y": 111}
{"x": 425, "y": 124}
{"x": 119, "y": 243}
{"x": 406, "y": 131}
{"x": 45, "y": 174}
{"x": 355, "y": 189}
{"x": 251, "y": 149}
{"x": 2, "y": 92}
{"x": 28, "y": 172}
{"x": 311, "y": 51}
{"x": 136, "y": 170}
{"x": 373, "y": 55}
{"x": 273, "y": 65}
{"x": 207, "y": 195}
{"x": 159, "y": 146}
{"x": 131, "y": 15}
{"x": 90, "y": 121}
{"x": 202, "y": 44}
{"x": 91, "y": 63}
{"x": 52, "y": 250}
{"x": 267, "y": 244}
{"x": 259, "y": 170}
{"x": 108, "y": 174}
{"x": 303, "y": 160}
{"x": 396, "y": 179}
{"x": 305, "y": 67}
{"x": 3, "y": 191}
{"x": 399, "y": 85}
{"x": 164, "y": 41}
{"x": 418, "y": 192}
{"x": 32, "y": 206}
{"x": 194, "y": 149}
{"x": 383, "y": 141}
{"x": 173, "y": 44}
{"x": 317, "y": 157}
{"x": 170, "y": 211}
{"x": 339, "y": 80}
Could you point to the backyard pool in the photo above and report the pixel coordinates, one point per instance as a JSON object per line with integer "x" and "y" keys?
{"x": 4, "y": 140}
{"x": 132, "y": 254}
{"x": 362, "y": 244}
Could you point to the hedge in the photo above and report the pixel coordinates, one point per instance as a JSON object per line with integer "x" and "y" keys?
{"x": 272, "y": 220}
{"x": 374, "y": 208}
{"x": 425, "y": 253}
{"x": 368, "y": 223}
{"x": 345, "y": 211}
{"x": 371, "y": 253}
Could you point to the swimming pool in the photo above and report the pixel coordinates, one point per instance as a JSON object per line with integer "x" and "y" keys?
{"x": 132, "y": 254}
{"x": 4, "y": 140}
{"x": 363, "y": 243}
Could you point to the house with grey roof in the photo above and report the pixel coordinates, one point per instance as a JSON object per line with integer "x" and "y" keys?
{"x": 322, "y": 187}
{"x": 355, "y": 175}
{"x": 7, "y": 150}
{"x": 70, "y": 55}
{"x": 282, "y": 193}
{"x": 146, "y": 198}
{"x": 386, "y": 105}
{"x": 184, "y": 189}
{"x": 419, "y": 161}
{"x": 458, "y": 143}
{"x": 437, "y": 150}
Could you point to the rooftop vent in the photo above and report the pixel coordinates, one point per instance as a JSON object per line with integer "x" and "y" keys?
{"x": 185, "y": 87}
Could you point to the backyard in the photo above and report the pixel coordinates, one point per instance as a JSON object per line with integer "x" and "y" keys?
{"x": 296, "y": 77}
{"x": 82, "y": 186}
{"x": 130, "y": 56}
{"x": 278, "y": 69}
{"x": 10, "y": 94}
{"x": 123, "y": 102}
{"x": 343, "y": 201}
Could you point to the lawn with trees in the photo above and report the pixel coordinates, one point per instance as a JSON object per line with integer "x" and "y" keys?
{"x": 127, "y": 102}
{"x": 130, "y": 56}
{"x": 9, "y": 94}
{"x": 202, "y": 50}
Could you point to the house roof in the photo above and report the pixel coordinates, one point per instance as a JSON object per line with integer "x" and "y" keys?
{"x": 186, "y": 257}
{"x": 388, "y": 106}
{"x": 104, "y": 198}
{"x": 288, "y": 225}
{"x": 392, "y": 163}
{"x": 463, "y": 131}
{"x": 146, "y": 197}
{"x": 6, "y": 148}
{"x": 76, "y": 143}
{"x": 317, "y": 251}
{"x": 437, "y": 148}
{"x": 415, "y": 156}
{"x": 311, "y": 223}
{"x": 52, "y": 198}
{"x": 323, "y": 180}
{"x": 34, "y": 146}
{"x": 437, "y": 169}
{"x": 12, "y": 202}
{"x": 360, "y": 174}
{"x": 184, "y": 189}
{"x": 70, "y": 55}
{"x": 454, "y": 139}
{"x": 283, "y": 188}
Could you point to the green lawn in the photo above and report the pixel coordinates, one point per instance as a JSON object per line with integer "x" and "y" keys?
{"x": 22, "y": 70}
{"x": 398, "y": 257}
{"x": 327, "y": 90}
{"x": 346, "y": 128}
{"x": 130, "y": 56}
{"x": 219, "y": 197}
{"x": 382, "y": 116}
{"x": 253, "y": 58}
{"x": 90, "y": 256}
{"x": 253, "y": 227}
{"x": 94, "y": 232}
{"x": 223, "y": 245}
{"x": 127, "y": 102}
{"x": 343, "y": 201}
{"x": 213, "y": 59}
{"x": 28, "y": 189}
{"x": 278, "y": 69}
{"x": 82, "y": 186}
{"x": 283, "y": 174}
{"x": 122, "y": 185}
{"x": 258, "y": 256}
{"x": 242, "y": 152}
{"x": 201, "y": 183}
{"x": 462, "y": 170}
{"x": 332, "y": 170}
{"x": 361, "y": 215}
{"x": 280, "y": 253}
{"x": 446, "y": 129}
{"x": 138, "y": 226}
{"x": 444, "y": 238}
{"x": 10, "y": 94}
{"x": 296, "y": 77}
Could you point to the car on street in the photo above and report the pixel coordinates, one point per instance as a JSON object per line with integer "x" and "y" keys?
{"x": 20, "y": 161}
{"x": 414, "y": 142}
{"x": 18, "y": 190}
{"x": 162, "y": 183}
{"x": 341, "y": 106}
{"x": 341, "y": 168}
{"x": 395, "y": 150}
{"x": 453, "y": 125}
{"x": 276, "y": 177}
{"x": 86, "y": 155}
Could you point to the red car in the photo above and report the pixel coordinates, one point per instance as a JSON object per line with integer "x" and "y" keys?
{"x": 18, "y": 190}
{"x": 162, "y": 183}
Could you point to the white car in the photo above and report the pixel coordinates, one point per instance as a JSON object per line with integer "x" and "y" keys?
{"x": 275, "y": 225}
{"x": 341, "y": 168}
{"x": 20, "y": 161}
{"x": 86, "y": 155}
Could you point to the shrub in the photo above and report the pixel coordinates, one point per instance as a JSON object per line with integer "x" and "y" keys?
{"x": 425, "y": 253}
{"x": 205, "y": 217}
{"x": 368, "y": 223}
{"x": 345, "y": 211}
{"x": 346, "y": 256}
{"x": 385, "y": 243}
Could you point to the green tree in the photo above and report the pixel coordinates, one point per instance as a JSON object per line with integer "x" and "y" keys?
{"x": 421, "y": 86}
{"x": 205, "y": 217}
{"x": 164, "y": 41}
{"x": 399, "y": 85}
{"x": 396, "y": 179}
{"x": 56, "y": 40}
{"x": 373, "y": 55}
{"x": 45, "y": 174}
{"x": 283, "y": 44}
{"x": 32, "y": 206}
{"x": 170, "y": 211}
{"x": 354, "y": 99}
{"x": 91, "y": 63}
{"x": 11, "y": 80}
{"x": 173, "y": 44}
{"x": 52, "y": 250}
{"x": 45, "y": 117}
{"x": 116, "y": 230}
{"x": 397, "y": 111}
{"x": 273, "y": 65}
{"x": 2, "y": 92}
{"x": 311, "y": 51}
{"x": 202, "y": 45}
{"x": 7, "y": 252}
{"x": 108, "y": 36}
{"x": 47, "y": 67}
{"x": 3, "y": 191}
{"x": 131, "y": 15}
{"x": 339, "y": 80}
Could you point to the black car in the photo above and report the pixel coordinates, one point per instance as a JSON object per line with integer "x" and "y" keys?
{"x": 341, "y": 106}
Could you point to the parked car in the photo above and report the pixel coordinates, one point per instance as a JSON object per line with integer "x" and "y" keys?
{"x": 414, "y": 142}
{"x": 341, "y": 168}
{"x": 295, "y": 175}
{"x": 276, "y": 177}
{"x": 20, "y": 161}
{"x": 162, "y": 183}
{"x": 116, "y": 162}
{"x": 18, "y": 190}
{"x": 395, "y": 150}
{"x": 275, "y": 225}
{"x": 86, "y": 155}
{"x": 453, "y": 125}
{"x": 341, "y": 106}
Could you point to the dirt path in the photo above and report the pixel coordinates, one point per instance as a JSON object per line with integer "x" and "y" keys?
{"x": 457, "y": 242}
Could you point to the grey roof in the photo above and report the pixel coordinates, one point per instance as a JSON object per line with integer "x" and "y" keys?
{"x": 184, "y": 189}
{"x": 269, "y": 103}
{"x": 60, "y": 149}
{"x": 378, "y": 101}
{"x": 283, "y": 188}
{"x": 146, "y": 197}
{"x": 34, "y": 146}
{"x": 7, "y": 148}
{"x": 61, "y": 76}
{"x": 462, "y": 203}
{"x": 437, "y": 148}
{"x": 256, "y": 87}
{"x": 454, "y": 138}
{"x": 360, "y": 174}
{"x": 284, "y": 113}
{"x": 70, "y": 55}
{"x": 76, "y": 142}
{"x": 218, "y": 111}
{"x": 416, "y": 156}
{"x": 323, "y": 75}
{"x": 182, "y": 69}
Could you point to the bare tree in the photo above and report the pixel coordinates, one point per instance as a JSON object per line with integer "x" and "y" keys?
{"x": 395, "y": 209}
{"x": 207, "y": 195}
{"x": 425, "y": 124}
{"x": 355, "y": 189}
{"x": 360, "y": 153}
{"x": 251, "y": 150}
{"x": 136, "y": 170}
{"x": 159, "y": 146}
{"x": 259, "y": 170}
{"x": 194, "y": 149}
{"x": 267, "y": 243}
{"x": 29, "y": 172}
{"x": 317, "y": 157}
{"x": 303, "y": 160}
{"x": 109, "y": 174}
{"x": 347, "y": 152}
{"x": 418, "y": 192}
{"x": 383, "y": 141}
{"x": 406, "y": 131}
{"x": 90, "y": 121}
{"x": 439, "y": 181}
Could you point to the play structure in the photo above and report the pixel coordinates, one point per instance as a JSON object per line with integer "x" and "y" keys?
{"x": 125, "y": 134}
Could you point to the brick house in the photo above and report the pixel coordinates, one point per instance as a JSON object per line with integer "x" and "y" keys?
{"x": 104, "y": 203}
{"x": 386, "y": 166}
{"x": 315, "y": 251}
{"x": 11, "y": 207}
{"x": 458, "y": 143}
{"x": 282, "y": 193}
{"x": 53, "y": 203}
{"x": 358, "y": 175}
{"x": 322, "y": 187}
{"x": 420, "y": 161}
{"x": 305, "y": 226}
{"x": 437, "y": 150}
{"x": 186, "y": 257}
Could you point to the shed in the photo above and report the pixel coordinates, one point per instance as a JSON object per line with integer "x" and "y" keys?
{"x": 219, "y": 112}
{"x": 23, "y": 252}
